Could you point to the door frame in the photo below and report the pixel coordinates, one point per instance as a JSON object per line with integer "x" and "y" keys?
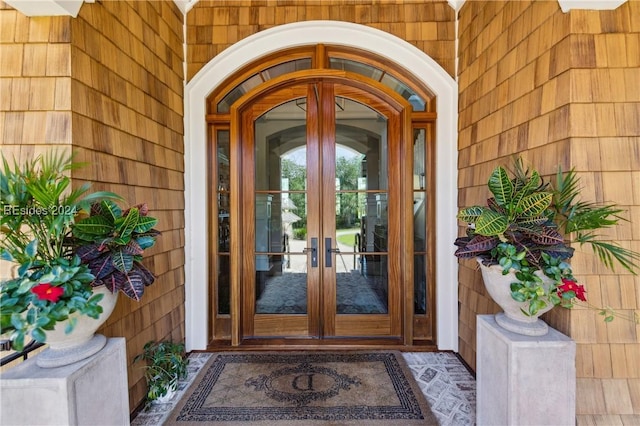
{"x": 392, "y": 101}
{"x": 426, "y": 70}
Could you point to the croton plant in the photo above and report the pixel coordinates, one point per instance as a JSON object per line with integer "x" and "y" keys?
{"x": 530, "y": 225}
{"x": 111, "y": 242}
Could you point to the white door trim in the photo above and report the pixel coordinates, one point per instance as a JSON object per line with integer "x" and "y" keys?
{"x": 425, "y": 69}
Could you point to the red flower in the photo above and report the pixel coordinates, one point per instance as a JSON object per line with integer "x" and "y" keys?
{"x": 569, "y": 285}
{"x": 48, "y": 292}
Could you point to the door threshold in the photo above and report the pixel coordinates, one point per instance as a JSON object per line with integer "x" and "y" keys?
{"x": 316, "y": 345}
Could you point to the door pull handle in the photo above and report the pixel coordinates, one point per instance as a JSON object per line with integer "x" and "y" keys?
{"x": 314, "y": 252}
{"x": 328, "y": 255}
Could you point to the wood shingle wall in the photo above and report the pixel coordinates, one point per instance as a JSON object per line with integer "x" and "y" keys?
{"x": 560, "y": 89}
{"x": 212, "y": 26}
{"x": 511, "y": 101}
{"x": 605, "y": 148}
{"x": 109, "y": 85}
{"x": 35, "y": 84}
{"x": 127, "y": 103}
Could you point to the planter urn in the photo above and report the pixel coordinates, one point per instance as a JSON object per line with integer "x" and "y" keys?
{"x": 513, "y": 318}
{"x": 82, "y": 342}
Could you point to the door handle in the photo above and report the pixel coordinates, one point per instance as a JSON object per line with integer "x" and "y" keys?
{"x": 328, "y": 257}
{"x": 314, "y": 252}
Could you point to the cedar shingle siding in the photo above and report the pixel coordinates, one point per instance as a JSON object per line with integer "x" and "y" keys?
{"x": 560, "y": 89}
{"x": 555, "y": 88}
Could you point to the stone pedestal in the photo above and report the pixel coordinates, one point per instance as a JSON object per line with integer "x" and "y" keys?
{"x": 93, "y": 391}
{"x": 524, "y": 380}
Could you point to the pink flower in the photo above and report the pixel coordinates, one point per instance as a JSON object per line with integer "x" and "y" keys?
{"x": 48, "y": 292}
{"x": 569, "y": 285}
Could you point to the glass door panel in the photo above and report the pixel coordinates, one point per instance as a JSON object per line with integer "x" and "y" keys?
{"x": 363, "y": 285}
{"x": 223, "y": 264}
{"x": 361, "y": 228}
{"x": 280, "y": 210}
{"x": 419, "y": 221}
{"x": 322, "y": 215}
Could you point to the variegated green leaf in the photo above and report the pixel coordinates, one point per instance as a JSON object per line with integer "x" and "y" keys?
{"x": 129, "y": 223}
{"x": 470, "y": 214}
{"x": 534, "y": 205}
{"x": 491, "y": 223}
{"x": 528, "y": 188}
{"x": 501, "y": 186}
{"x": 145, "y": 223}
{"x": 111, "y": 210}
{"x": 95, "y": 225}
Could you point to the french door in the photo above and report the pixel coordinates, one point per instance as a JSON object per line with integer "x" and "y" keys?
{"x": 320, "y": 252}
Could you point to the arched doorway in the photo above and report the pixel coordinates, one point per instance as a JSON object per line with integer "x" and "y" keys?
{"x": 444, "y": 198}
{"x": 305, "y": 286}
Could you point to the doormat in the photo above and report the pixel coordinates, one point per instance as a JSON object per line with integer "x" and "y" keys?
{"x": 312, "y": 388}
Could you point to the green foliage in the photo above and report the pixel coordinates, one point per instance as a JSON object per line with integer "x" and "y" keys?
{"x": 529, "y": 288}
{"x": 519, "y": 213}
{"x": 39, "y": 214}
{"x": 580, "y": 219}
{"x": 23, "y": 313}
{"x": 523, "y": 229}
{"x": 347, "y": 239}
{"x": 38, "y": 208}
{"x": 296, "y": 174}
{"x": 516, "y": 201}
{"x": 111, "y": 242}
{"x": 166, "y": 364}
{"x": 348, "y": 170}
{"x": 533, "y": 216}
{"x": 300, "y": 233}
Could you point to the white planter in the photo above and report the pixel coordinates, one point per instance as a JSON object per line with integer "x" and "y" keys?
{"x": 82, "y": 342}
{"x": 513, "y": 319}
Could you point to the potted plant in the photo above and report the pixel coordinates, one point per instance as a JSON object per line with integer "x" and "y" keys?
{"x": 111, "y": 242}
{"x": 521, "y": 234}
{"x": 166, "y": 364}
{"x": 55, "y": 286}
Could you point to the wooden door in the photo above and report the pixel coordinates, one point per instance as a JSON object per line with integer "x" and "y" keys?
{"x": 321, "y": 207}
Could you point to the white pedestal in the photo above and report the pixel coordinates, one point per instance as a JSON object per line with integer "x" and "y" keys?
{"x": 523, "y": 380}
{"x": 93, "y": 391}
